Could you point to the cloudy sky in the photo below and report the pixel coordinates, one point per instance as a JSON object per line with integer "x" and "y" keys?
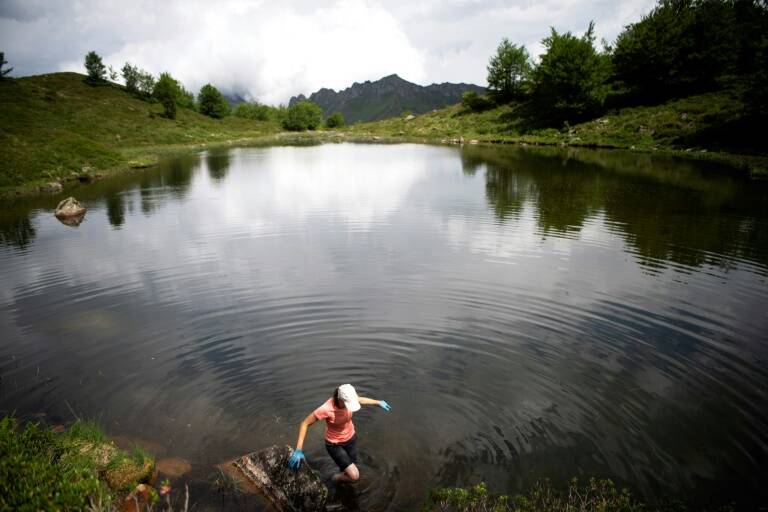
{"x": 272, "y": 50}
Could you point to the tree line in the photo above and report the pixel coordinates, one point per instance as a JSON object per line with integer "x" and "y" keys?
{"x": 171, "y": 94}
{"x": 680, "y": 48}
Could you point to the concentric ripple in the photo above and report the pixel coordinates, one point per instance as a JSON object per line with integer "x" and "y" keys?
{"x": 528, "y": 313}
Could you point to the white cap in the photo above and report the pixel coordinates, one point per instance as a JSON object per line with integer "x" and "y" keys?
{"x": 348, "y": 395}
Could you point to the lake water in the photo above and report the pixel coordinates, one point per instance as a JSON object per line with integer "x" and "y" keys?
{"x": 528, "y": 313}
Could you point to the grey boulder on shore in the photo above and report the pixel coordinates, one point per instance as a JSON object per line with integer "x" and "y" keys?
{"x": 267, "y": 471}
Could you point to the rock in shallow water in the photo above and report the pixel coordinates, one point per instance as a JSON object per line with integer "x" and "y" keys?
{"x": 267, "y": 471}
{"x": 69, "y": 208}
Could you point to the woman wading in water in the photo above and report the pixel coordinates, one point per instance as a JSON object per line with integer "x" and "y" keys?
{"x": 340, "y": 436}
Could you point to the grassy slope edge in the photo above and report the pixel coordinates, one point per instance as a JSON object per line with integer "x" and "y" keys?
{"x": 699, "y": 126}
{"x": 75, "y": 470}
{"x": 56, "y": 124}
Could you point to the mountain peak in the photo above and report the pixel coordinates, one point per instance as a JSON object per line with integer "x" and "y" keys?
{"x": 389, "y": 96}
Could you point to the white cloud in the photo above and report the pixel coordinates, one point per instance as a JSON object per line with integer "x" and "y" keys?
{"x": 459, "y": 36}
{"x": 268, "y": 50}
{"x": 275, "y": 50}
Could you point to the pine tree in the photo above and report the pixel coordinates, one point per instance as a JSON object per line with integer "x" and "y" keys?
{"x": 97, "y": 72}
{"x": 3, "y": 62}
{"x": 509, "y": 71}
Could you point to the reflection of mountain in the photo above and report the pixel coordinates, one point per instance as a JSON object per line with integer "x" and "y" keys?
{"x": 667, "y": 209}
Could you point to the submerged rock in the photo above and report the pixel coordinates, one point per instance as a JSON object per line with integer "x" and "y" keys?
{"x": 173, "y": 467}
{"x": 70, "y": 212}
{"x": 267, "y": 471}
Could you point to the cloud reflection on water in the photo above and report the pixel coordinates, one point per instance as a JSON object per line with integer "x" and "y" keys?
{"x": 524, "y": 311}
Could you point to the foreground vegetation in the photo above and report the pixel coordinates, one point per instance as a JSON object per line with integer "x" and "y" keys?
{"x": 74, "y": 470}
{"x": 593, "y": 496}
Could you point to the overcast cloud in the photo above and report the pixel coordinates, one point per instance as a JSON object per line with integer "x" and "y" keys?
{"x": 273, "y": 50}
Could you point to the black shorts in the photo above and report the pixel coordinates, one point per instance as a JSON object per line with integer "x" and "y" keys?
{"x": 343, "y": 454}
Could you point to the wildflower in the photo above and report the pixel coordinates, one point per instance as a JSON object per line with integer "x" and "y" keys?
{"x": 165, "y": 487}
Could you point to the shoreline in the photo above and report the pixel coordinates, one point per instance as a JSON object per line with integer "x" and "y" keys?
{"x": 139, "y": 159}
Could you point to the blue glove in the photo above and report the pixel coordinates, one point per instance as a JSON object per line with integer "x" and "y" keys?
{"x": 295, "y": 459}
{"x": 384, "y": 405}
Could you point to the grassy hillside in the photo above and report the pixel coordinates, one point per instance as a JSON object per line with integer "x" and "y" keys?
{"x": 56, "y": 125}
{"x": 53, "y": 125}
{"x": 706, "y": 126}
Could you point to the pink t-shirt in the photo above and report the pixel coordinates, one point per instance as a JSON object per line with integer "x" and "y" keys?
{"x": 340, "y": 428}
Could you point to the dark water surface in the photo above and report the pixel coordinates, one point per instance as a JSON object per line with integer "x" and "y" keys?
{"x": 527, "y": 314}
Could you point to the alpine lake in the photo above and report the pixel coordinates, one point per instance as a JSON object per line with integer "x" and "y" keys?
{"x": 527, "y": 312}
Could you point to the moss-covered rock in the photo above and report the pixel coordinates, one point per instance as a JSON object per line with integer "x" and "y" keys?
{"x": 124, "y": 474}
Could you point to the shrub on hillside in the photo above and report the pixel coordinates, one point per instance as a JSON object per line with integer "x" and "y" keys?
{"x": 211, "y": 102}
{"x": 473, "y": 102}
{"x": 184, "y": 98}
{"x": 255, "y": 111}
{"x": 137, "y": 80}
{"x": 95, "y": 68}
{"x": 303, "y": 115}
{"x": 335, "y": 120}
{"x": 166, "y": 92}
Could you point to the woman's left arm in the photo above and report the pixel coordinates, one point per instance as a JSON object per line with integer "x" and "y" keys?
{"x": 370, "y": 401}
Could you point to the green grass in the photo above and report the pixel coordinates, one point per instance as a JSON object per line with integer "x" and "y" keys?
{"x": 57, "y": 127}
{"x": 40, "y": 470}
{"x": 85, "y": 431}
{"x": 594, "y": 495}
{"x": 708, "y": 126}
{"x": 57, "y": 124}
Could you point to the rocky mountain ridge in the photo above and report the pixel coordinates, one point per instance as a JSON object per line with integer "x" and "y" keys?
{"x": 390, "y": 96}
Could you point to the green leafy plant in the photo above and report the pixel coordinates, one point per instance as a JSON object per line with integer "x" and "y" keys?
{"x": 166, "y": 91}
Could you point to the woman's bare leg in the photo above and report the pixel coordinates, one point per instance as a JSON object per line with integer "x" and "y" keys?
{"x": 350, "y": 475}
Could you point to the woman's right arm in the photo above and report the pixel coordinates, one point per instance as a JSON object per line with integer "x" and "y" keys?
{"x": 303, "y": 430}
